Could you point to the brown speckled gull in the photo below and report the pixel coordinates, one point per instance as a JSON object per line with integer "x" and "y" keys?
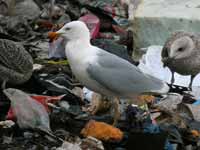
{"x": 16, "y": 64}
{"x": 181, "y": 53}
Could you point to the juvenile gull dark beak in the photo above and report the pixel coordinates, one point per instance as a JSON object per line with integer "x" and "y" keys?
{"x": 166, "y": 61}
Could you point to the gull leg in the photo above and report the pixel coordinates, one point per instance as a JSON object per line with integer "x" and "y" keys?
{"x": 116, "y": 111}
{"x": 95, "y": 103}
{"x": 98, "y": 103}
{"x": 191, "y": 80}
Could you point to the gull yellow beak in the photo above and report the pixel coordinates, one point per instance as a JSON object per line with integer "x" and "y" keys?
{"x": 53, "y": 36}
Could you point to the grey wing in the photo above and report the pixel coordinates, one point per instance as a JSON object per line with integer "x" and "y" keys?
{"x": 121, "y": 77}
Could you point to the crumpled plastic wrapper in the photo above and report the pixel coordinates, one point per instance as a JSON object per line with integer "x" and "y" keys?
{"x": 29, "y": 113}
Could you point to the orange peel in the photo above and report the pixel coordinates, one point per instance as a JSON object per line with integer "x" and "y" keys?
{"x": 102, "y": 131}
{"x": 195, "y": 133}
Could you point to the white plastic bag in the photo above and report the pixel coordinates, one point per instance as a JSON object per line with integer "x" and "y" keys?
{"x": 57, "y": 48}
{"x": 151, "y": 64}
{"x": 29, "y": 112}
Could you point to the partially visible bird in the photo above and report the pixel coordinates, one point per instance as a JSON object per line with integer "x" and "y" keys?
{"x": 16, "y": 63}
{"x": 101, "y": 71}
{"x": 181, "y": 53}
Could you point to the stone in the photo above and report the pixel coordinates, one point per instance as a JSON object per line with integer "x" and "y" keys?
{"x": 67, "y": 146}
{"x": 91, "y": 143}
{"x": 155, "y": 20}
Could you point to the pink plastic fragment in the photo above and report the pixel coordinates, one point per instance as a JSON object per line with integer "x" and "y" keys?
{"x": 93, "y": 23}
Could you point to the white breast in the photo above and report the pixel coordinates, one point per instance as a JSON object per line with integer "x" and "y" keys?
{"x": 79, "y": 58}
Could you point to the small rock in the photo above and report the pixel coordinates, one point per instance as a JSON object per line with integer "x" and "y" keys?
{"x": 28, "y": 135}
{"x": 7, "y": 140}
{"x": 69, "y": 146}
{"x": 7, "y": 124}
{"x": 91, "y": 143}
{"x": 65, "y": 105}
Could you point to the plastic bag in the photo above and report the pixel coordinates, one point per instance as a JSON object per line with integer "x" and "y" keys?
{"x": 57, "y": 48}
{"x": 29, "y": 113}
{"x": 151, "y": 64}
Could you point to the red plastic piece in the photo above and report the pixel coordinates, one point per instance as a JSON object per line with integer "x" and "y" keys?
{"x": 40, "y": 98}
{"x": 93, "y": 23}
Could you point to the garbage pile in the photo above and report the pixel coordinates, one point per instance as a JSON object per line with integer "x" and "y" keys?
{"x": 52, "y": 110}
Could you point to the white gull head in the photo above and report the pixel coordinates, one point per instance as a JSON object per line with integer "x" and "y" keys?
{"x": 75, "y": 30}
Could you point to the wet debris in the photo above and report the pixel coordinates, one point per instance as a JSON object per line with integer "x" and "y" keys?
{"x": 51, "y": 110}
{"x": 29, "y": 113}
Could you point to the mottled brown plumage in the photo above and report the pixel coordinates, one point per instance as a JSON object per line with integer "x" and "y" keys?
{"x": 181, "y": 53}
{"x": 16, "y": 64}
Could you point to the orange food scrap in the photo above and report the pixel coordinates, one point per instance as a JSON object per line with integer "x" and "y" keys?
{"x": 147, "y": 98}
{"x": 195, "y": 133}
{"x": 102, "y": 131}
{"x": 52, "y": 36}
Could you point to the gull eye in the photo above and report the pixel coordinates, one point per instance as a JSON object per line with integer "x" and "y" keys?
{"x": 67, "y": 29}
{"x": 180, "y": 49}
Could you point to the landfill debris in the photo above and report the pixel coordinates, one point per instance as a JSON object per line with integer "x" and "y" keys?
{"x": 169, "y": 103}
{"x": 67, "y": 146}
{"x": 147, "y": 98}
{"x": 93, "y": 24}
{"x": 97, "y": 102}
{"x": 26, "y": 8}
{"x": 102, "y": 131}
{"x": 54, "y": 101}
{"x": 57, "y": 49}
{"x": 91, "y": 143}
{"x": 191, "y": 110}
{"x": 195, "y": 133}
{"x": 7, "y": 124}
{"x": 44, "y": 100}
{"x": 29, "y": 113}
